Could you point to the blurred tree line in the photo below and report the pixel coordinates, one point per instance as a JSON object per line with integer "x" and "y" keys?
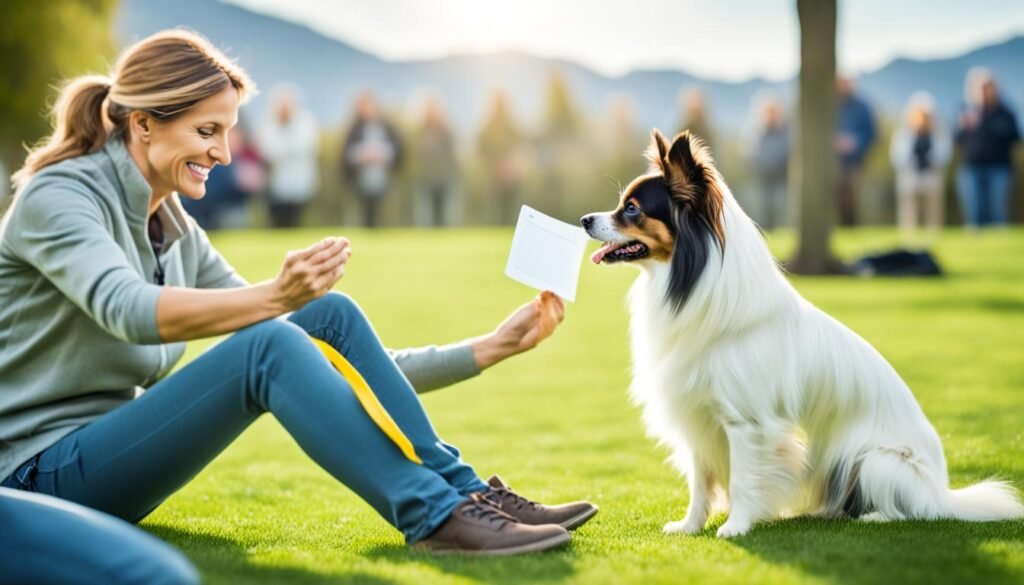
{"x": 42, "y": 43}
{"x": 567, "y": 162}
{"x": 574, "y": 163}
{"x": 567, "y": 165}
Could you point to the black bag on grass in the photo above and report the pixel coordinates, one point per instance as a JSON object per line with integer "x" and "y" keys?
{"x": 897, "y": 263}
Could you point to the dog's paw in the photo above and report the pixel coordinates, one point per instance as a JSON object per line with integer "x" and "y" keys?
{"x": 873, "y": 517}
{"x": 684, "y": 526}
{"x": 734, "y": 527}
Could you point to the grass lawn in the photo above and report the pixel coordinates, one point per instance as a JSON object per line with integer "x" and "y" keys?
{"x": 557, "y": 425}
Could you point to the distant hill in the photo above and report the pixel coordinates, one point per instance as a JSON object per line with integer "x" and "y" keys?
{"x": 330, "y": 72}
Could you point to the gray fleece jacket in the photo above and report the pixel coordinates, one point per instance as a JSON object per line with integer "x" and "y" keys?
{"x": 78, "y": 331}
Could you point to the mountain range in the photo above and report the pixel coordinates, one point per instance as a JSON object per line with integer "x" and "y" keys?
{"x": 330, "y": 73}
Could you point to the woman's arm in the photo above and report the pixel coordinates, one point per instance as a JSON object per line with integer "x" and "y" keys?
{"x": 184, "y": 314}
{"x": 433, "y": 367}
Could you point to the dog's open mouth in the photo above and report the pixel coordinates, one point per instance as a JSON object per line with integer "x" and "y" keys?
{"x": 619, "y": 252}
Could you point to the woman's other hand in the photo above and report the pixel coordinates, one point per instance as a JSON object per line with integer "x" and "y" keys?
{"x": 523, "y": 330}
{"x": 311, "y": 273}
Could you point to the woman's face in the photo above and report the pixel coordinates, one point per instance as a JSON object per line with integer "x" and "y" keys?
{"x": 181, "y": 152}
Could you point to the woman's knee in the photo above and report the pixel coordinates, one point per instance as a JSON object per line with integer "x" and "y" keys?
{"x": 270, "y": 337}
{"x": 335, "y": 311}
{"x": 65, "y": 542}
{"x": 336, "y": 303}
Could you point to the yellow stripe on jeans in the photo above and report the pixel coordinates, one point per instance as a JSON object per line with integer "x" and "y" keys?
{"x": 368, "y": 399}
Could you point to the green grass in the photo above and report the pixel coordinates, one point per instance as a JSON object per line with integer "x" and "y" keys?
{"x": 557, "y": 425}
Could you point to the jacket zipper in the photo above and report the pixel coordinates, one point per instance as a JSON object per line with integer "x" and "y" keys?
{"x": 159, "y": 279}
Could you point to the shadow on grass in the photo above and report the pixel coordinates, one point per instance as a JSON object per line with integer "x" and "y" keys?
{"x": 221, "y": 560}
{"x": 541, "y": 567}
{"x": 863, "y": 553}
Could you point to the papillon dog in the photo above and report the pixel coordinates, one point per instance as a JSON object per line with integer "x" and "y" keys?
{"x": 769, "y": 406}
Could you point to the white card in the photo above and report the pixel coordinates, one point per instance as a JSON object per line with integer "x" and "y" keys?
{"x": 546, "y": 253}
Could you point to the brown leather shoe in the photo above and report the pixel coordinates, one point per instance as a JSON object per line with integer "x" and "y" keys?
{"x": 477, "y": 527}
{"x": 569, "y": 516}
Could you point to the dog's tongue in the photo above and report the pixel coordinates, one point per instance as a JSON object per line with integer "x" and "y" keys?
{"x": 597, "y": 256}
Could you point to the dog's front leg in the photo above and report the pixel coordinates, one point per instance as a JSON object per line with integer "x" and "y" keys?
{"x": 697, "y": 511}
{"x": 746, "y": 505}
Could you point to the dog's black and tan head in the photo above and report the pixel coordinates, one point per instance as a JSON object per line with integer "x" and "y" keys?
{"x": 673, "y": 214}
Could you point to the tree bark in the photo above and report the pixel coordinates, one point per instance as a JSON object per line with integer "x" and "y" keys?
{"x": 816, "y": 176}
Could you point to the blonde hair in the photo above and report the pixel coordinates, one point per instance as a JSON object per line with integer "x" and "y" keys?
{"x": 976, "y": 77}
{"x": 920, "y": 111}
{"x": 162, "y": 75}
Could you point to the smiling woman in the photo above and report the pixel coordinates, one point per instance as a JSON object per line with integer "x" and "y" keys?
{"x": 103, "y": 276}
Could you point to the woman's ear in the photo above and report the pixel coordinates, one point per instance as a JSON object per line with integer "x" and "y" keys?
{"x": 139, "y": 126}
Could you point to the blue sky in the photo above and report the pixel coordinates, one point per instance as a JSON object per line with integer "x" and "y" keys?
{"x": 723, "y": 39}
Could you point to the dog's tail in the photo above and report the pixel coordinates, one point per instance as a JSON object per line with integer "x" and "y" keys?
{"x": 988, "y": 500}
{"x": 896, "y": 484}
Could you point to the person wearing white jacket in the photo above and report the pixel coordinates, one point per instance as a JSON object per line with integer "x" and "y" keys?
{"x": 920, "y": 150}
{"x": 288, "y": 143}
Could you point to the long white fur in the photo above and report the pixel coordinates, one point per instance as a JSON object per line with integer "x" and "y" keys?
{"x": 762, "y": 397}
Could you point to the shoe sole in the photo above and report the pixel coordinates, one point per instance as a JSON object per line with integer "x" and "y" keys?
{"x": 580, "y": 519}
{"x": 540, "y": 545}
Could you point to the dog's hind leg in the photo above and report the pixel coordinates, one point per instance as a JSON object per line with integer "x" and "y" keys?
{"x": 699, "y": 477}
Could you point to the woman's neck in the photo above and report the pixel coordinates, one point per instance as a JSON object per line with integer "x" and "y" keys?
{"x": 159, "y": 194}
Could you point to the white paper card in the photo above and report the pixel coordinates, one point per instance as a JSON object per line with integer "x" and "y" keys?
{"x": 546, "y": 253}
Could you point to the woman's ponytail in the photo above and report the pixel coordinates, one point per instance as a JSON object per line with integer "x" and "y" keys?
{"x": 79, "y": 126}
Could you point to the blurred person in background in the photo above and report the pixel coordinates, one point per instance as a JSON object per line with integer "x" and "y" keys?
{"x": 767, "y": 150}
{"x": 920, "y": 150}
{"x": 855, "y": 134}
{"x": 229, "y": 189}
{"x": 695, "y": 117}
{"x": 438, "y": 201}
{"x": 986, "y": 134}
{"x": 288, "y": 141}
{"x": 371, "y": 156}
{"x": 501, "y": 146}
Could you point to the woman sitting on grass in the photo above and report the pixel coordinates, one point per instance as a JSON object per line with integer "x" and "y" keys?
{"x": 103, "y": 277}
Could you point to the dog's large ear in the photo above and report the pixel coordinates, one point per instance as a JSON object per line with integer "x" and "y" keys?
{"x": 657, "y": 151}
{"x": 689, "y": 169}
{"x": 692, "y": 250}
{"x": 698, "y": 204}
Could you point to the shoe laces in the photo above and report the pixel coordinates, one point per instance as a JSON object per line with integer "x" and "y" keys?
{"x": 485, "y": 509}
{"x": 503, "y": 495}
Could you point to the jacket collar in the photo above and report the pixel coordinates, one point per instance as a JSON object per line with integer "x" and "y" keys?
{"x": 135, "y": 191}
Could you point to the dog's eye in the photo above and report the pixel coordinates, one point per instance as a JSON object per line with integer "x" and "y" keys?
{"x": 632, "y": 209}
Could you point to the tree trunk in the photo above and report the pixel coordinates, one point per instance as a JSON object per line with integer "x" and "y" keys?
{"x": 816, "y": 177}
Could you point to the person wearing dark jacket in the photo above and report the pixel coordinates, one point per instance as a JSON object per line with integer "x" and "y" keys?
{"x": 372, "y": 154}
{"x": 855, "y": 133}
{"x": 986, "y": 134}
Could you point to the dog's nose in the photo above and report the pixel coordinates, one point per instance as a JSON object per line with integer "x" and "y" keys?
{"x": 586, "y": 221}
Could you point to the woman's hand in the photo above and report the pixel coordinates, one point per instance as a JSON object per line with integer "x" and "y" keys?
{"x": 183, "y": 314}
{"x": 524, "y": 329}
{"x": 309, "y": 274}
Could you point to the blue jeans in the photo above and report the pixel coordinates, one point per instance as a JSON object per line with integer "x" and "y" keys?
{"x": 985, "y": 194}
{"x": 128, "y": 461}
{"x": 46, "y": 540}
